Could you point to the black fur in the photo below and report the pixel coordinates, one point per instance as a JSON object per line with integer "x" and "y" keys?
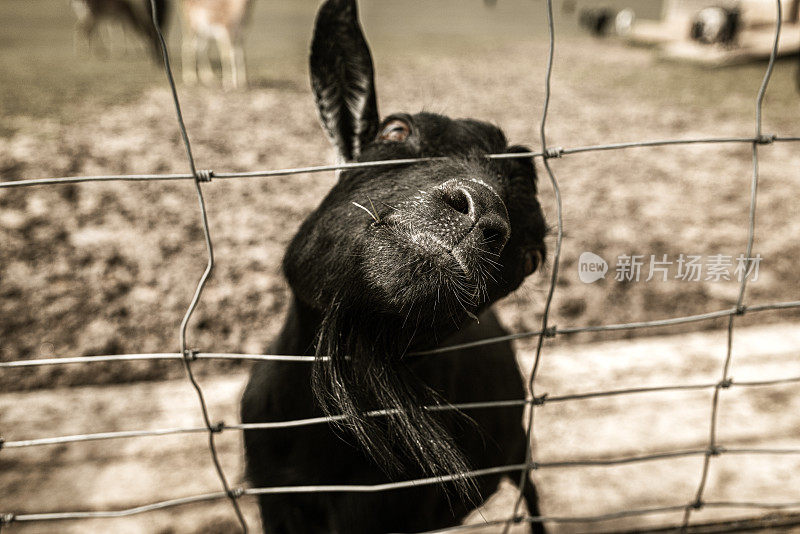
{"x": 342, "y": 78}
{"x": 395, "y": 260}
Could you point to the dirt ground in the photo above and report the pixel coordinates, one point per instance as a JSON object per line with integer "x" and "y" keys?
{"x": 122, "y": 473}
{"x": 109, "y": 268}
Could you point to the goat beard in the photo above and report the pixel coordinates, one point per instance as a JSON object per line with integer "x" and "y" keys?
{"x": 365, "y": 372}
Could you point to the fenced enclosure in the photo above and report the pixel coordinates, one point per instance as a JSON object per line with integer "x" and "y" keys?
{"x": 760, "y": 140}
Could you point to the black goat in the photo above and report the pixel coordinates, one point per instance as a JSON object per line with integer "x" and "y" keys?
{"x": 395, "y": 259}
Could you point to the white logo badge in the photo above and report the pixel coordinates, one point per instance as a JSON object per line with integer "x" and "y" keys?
{"x": 591, "y": 267}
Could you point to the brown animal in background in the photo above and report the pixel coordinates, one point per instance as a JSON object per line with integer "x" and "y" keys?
{"x": 220, "y": 20}
{"x": 135, "y": 14}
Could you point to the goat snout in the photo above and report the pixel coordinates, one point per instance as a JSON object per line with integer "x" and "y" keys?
{"x": 477, "y": 208}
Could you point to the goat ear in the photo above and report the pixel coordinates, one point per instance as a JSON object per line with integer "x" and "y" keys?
{"x": 342, "y": 78}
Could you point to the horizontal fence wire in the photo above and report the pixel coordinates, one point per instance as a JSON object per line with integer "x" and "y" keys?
{"x": 550, "y": 152}
{"x": 378, "y": 488}
{"x": 187, "y": 356}
{"x": 552, "y": 332}
{"x": 156, "y": 356}
{"x": 544, "y": 399}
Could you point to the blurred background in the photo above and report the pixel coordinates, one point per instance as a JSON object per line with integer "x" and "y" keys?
{"x": 109, "y": 268}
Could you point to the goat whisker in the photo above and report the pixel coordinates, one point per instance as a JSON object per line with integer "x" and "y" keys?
{"x": 374, "y": 216}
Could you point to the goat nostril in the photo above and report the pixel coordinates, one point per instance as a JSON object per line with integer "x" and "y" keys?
{"x": 458, "y": 199}
{"x": 495, "y": 234}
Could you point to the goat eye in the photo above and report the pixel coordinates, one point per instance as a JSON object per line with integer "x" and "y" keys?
{"x": 395, "y": 130}
{"x": 532, "y": 260}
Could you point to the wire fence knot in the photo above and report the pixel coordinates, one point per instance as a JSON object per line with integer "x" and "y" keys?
{"x": 203, "y": 175}
{"x": 725, "y": 384}
{"x": 540, "y": 400}
{"x": 190, "y": 355}
{"x": 766, "y": 139}
{"x": 7, "y": 519}
{"x": 235, "y": 493}
{"x": 741, "y": 309}
{"x": 554, "y": 152}
{"x": 550, "y": 331}
{"x": 715, "y": 450}
{"x": 217, "y": 427}
{"x": 697, "y": 505}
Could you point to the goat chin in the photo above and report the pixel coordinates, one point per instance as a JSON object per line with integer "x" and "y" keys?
{"x": 368, "y": 371}
{"x": 431, "y": 286}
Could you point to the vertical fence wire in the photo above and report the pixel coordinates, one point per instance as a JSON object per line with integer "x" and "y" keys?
{"x": 188, "y": 355}
{"x": 725, "y": 381}
{"x": 545, "y": 329}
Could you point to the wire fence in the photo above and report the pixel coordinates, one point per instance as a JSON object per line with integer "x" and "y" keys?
{"x": 189, "y": 356}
